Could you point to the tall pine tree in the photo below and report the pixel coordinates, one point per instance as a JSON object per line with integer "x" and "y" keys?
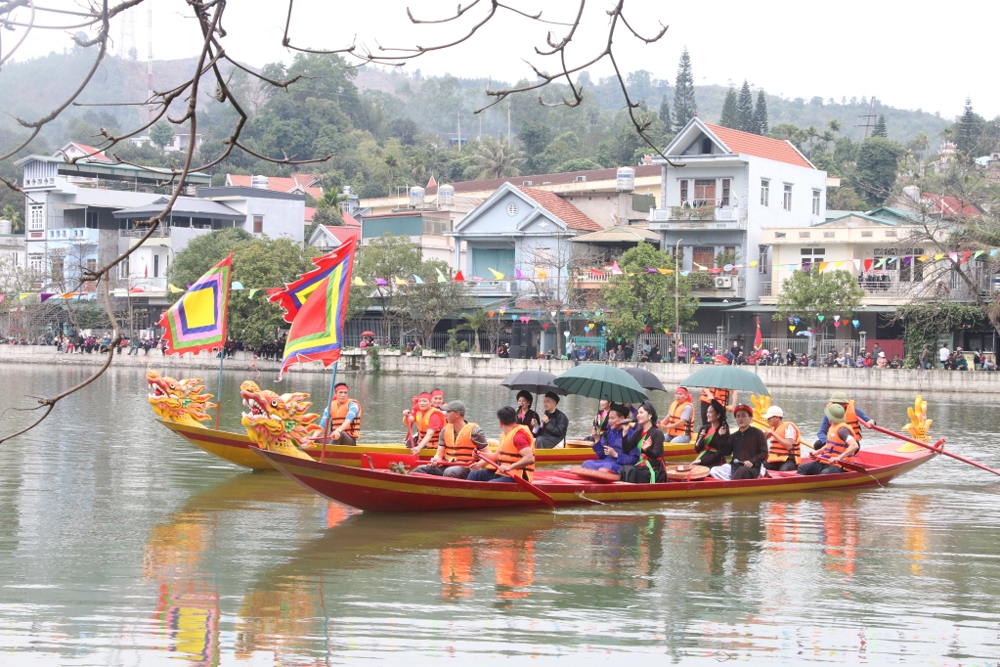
{"x": 685, "y": 106}
{"x": 760, "y": 115}
{"x": 665, "y": 113}
{"x": 744, "y": 109}
{"x": 968, "y": 131}
{"x": 729, "y": 117}
{"x": 880, "y": 129}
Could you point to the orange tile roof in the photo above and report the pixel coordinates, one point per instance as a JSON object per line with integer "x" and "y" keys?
{"x": 562, "y": 209}
{"x": 349, "y": 220}
{"x": 747, "y": 143}
{"x": 280, "y": 183}
{"x": 310, "y": 212}
{"x": 344, "y": 234}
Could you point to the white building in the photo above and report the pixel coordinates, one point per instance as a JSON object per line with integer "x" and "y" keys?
{"x": 722, "y": 187}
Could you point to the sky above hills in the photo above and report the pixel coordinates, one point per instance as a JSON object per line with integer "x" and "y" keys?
{"x": 790, "y": 48}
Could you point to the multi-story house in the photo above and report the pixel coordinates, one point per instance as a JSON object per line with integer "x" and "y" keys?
{"x": 718, "y": 190}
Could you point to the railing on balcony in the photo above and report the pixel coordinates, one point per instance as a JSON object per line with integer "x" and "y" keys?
{"x": 484, "y": 287}
{"x": 162, "y": 232}
{"x": 73, "y": 234}
{"x": 699, "y": 215}
{"x": 944, "y": 286}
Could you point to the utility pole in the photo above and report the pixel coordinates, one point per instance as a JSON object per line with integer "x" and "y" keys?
{"x": 458, "y": 117}
{"x": 869, "y": 118}
{"x": 508, "y": 121}
{"x": 149, "y": 57}
{"x": 677, "y": 294}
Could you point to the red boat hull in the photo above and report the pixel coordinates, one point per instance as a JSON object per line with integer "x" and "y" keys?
{"x": 384, "y": 491}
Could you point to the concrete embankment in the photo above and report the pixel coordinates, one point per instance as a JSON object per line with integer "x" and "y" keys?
{"x": 354, "y": 361}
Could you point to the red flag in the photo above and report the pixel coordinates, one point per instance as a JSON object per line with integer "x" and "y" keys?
{"x": 459, "y": 278}
{"x": 758, "y": 341}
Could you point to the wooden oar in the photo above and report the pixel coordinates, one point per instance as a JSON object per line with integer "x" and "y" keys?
{"x": 936, "y": 448}
{"x": 523, "y": 483}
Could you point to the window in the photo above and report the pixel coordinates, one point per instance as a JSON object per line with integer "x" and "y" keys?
{"x": 704, "y": 192}
{"x": 123, "y": 267}
{"x": 512, "y": 210}
{"x": 57, "y": 270}
{"x": 36, "y": 263}
{"x": 765, "y": 259}
{"x": 787, "y": 201}
{"x": 815, "y": 202}
{"x": 911, "y": 269}
{"x": 706, "y": 146}
{"x": 91, "y": 265}
{"x": 704, "y": 256}
{"x": 812, "y": 256}
{"x": 725, "y": 191}
{"x": 156, "y": 265}
{"x": 93, "y": 219}
{"x": 684, "y": 192}
{"x": 258, "y": 224}
{"x": 36, "y": 217}
{"x": 765, "y": 191}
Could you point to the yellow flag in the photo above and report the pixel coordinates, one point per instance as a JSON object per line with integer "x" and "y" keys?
{"x": 400, "y": 281}
{"x": 541, "y": 273}
{"x": 924, "y": 258}
{"x": 666, "y": 272}
{"x": 837, "y": 265}
{"x": 753, "y": 264}
{"x": 496, "y": 274}
{"x": 939, "y": 256}
{"x": 358, "y": 281}
{"x": 24, "y": 295}
{"x": 822, "y": 266}
{"x": 174, "y": 289}
{"x": 698, "y": 267}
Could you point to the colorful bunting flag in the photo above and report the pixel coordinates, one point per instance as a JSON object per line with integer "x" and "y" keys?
{"x": 665, "y": 272}
{"x": 296, "y": 292}
{"x": 45, "y": 296}
{"x": 542, "y": 274}
{"x": 359, "y": 282}
{"x": 381, "y": 282}
{"x": 459, "y": 278}
{"x": 237, "y": 285}
{"x": 615, "y": 269}
{"x": 518, "y": 275}
{"x": 318, "y": 330}
{"x": 441, "y": 278}
{"x": 496, "y": 274}
{"x": 253, "y": 291}
{"x": 754, "y": 264}
{"x": 400, "y": 282}
{"x": 198, "y": 320}
{"x": 174, "y": 289}
{"x": 418, "y": 279}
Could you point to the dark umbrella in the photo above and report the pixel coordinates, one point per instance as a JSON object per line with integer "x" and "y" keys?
{"x": 537, "y": 382}
{"x": 645, "y": 379}
{"x": 727, "y": 377}
{"x": 600, "y": 381}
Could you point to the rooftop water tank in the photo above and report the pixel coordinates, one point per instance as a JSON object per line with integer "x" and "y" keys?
{"x": 5, "y": 227}
{"x": 416, "y": 197}
{"x": 347, "y": 191}
{"x": 446, "y": 195}
{"x": 259, "y": 182}
{"x": 912, "y": 191}
{"x": 626, "y": 179}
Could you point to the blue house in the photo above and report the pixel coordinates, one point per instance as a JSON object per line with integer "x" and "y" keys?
{"x": 518, "y": 229}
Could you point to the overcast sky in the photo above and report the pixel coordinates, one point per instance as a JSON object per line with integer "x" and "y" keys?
{"x": 902, "y": 55}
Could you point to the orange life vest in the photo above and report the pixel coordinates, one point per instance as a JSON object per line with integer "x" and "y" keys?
{"x": 853, "y": 422}
{"x": 834, "y": 445}
{"x": 721, "y": 395}
{"x": 778, "y": 453}
{"x": 683, "y": 426}
{"x": 338, "y": 412}
{"x": 508, "y": 453}
{"x": 458, "y": 449}
{"x": 423, "y": 421}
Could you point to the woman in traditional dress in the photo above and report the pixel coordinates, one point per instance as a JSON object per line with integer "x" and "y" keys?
{"x": 647, "y": 441}
{"x": 712, "y": 442}
{"x": 609, "y": 449}
{"x": 525, "y": 415}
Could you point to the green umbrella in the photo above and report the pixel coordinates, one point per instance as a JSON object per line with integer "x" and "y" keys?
{"x": 601, "y": 381}
{"x": 727, "y": 377}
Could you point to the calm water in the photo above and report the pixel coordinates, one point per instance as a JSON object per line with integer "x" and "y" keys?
{"x": 122, "y": 545}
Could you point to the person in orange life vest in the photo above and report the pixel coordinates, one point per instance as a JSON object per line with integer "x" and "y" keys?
{"x": 600, "y": 425}
{"x": 679, "y": 423}
{"x": 748, "y": 446}
{"x": 723, "y": 396}
{"x": 784, "y": 452}
{"x": 429, "y": 422}
{"x": 345, "y": 417}
{"x": 525, "y": 415}
{"x": 646, "y": 441}
{"x": 516, "y": 454}
{"x": 712, "y": 442}
{"x": 852, "y": 415}
{"x": 459, "y": 439}
{"x": 609, "y": 449}
{"x": 840, "y": 447}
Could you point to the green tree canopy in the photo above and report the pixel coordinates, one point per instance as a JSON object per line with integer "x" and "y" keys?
{"x": 744, "y": 109}
{"x": 760, "y": 114}
{"x": 386, "y": 257}
{"x": 729, "y": 117}
{"x": 878, "y": 166}
{"x": 811, "y": 295}
{"x": 162, "y": 133}
{"x": 496, "y": 159}
{"x": 639, "y": 299}
{"x": 881, "y": 130}
{"x": 423, "y": 306}
{"x": 685, "y": 105}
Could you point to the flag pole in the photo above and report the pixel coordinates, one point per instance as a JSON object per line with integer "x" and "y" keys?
{"x": 326, "y": 412}
{"x": 222, "y": 345}
{"x": 218, "y": 407}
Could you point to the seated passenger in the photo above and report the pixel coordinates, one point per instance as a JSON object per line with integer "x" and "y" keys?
{"x": 345, "y": 417}
{"x": 600, "y": 424}
{"x": 516, "y": 454}
{"x": 552, "y": 425}
{"x": 841, "y": 446}
{"x": 609, "y": 449}
{"x": 748, "y": 446}
{"x": 712, "y": 442}
{"x": 459, "y": 440}
{"x": 525, "y": 415}
{"x": 646, "y": 441}
{"x": 783, "y": 451}
{"x": 679, "y": 423}
{"x": 428, "y": 420}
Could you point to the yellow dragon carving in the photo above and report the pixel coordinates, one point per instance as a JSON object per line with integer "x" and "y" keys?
{"x": 179, "y": 401}
{"x": 918, "y": 426}
{"x": 278, "y": 423}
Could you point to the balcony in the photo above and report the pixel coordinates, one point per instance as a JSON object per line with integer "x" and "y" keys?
{"x": 491, "y": 288}
{"x": 76, "y": 235}
{"x": 708, "y": 216}
{"x": 162, "y": 232}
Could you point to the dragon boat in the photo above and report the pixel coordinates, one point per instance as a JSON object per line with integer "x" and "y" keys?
{"x": 283, "y": 421}
{"x": 382, "y": 490}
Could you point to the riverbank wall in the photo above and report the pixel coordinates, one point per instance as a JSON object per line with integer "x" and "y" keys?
{"x": 491, "y": 367}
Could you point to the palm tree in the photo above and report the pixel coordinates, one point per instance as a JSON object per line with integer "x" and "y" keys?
{"x": 835, "y": 125}
{"x": 496, "y": 159}
{"x": 475, "y": 321}
{"x": 392, "y": 162}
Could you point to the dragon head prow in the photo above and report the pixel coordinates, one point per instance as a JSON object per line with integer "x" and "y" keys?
{"x": 277, "y": 422}
{"x": 180, "y": 401}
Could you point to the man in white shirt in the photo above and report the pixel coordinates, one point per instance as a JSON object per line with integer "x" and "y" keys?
{"x": 944, "y": 354}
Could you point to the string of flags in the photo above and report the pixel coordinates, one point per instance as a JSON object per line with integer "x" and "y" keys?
{"x": 860, "y": 265}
